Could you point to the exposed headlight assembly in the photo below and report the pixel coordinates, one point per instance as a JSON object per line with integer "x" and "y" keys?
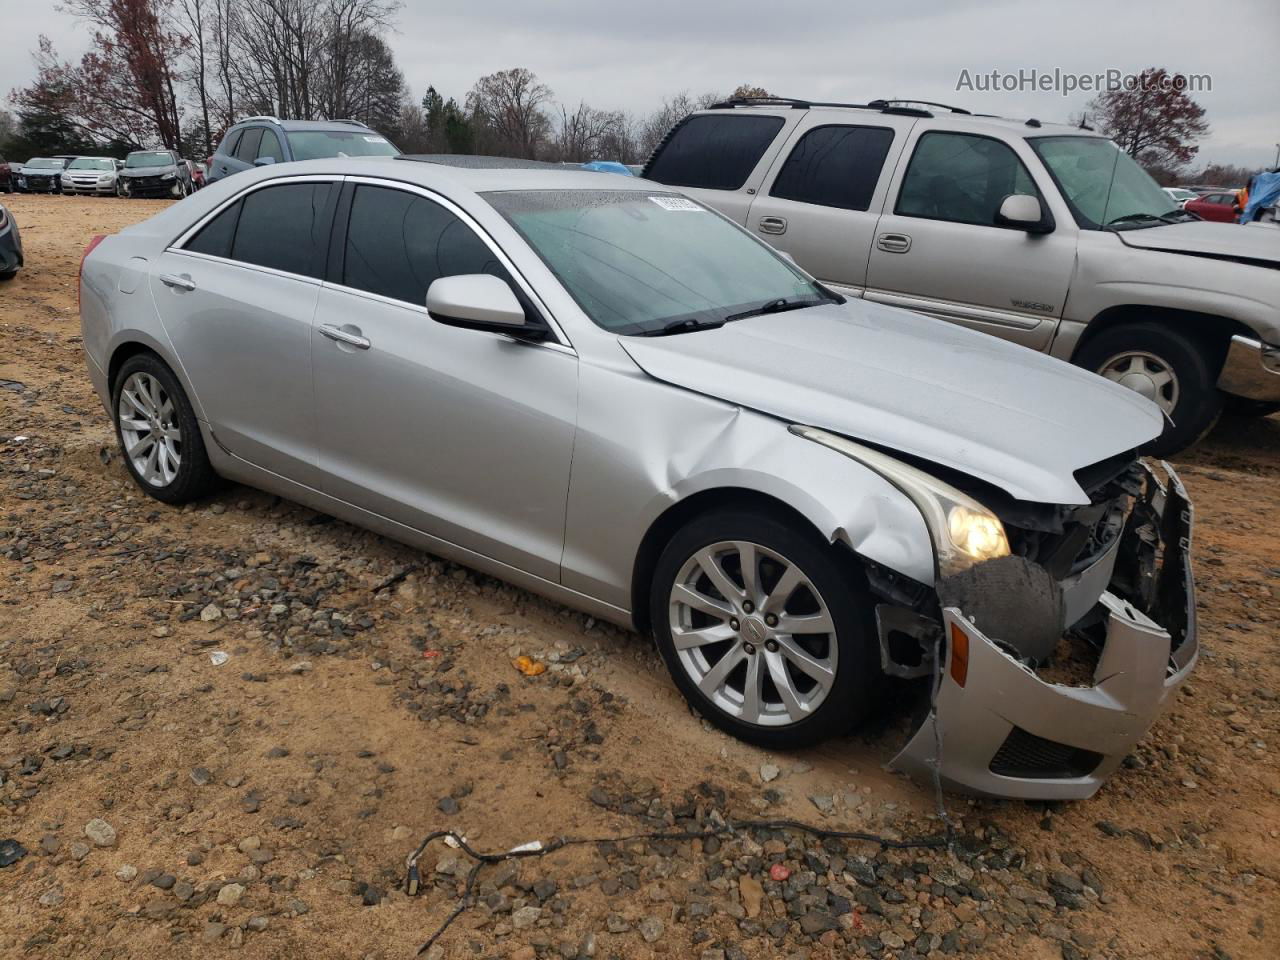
{"x": 169, "y": 176}
{"x": 965, "y": 533}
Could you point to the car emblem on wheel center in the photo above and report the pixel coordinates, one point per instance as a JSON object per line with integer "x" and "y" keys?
{"x": 753, "y": 630}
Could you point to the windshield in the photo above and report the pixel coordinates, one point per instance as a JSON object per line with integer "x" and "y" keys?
{"x": 316, "y": 144}
{"x": 643, "y": 264}
{"x": 44, "y": 162}
{"x": 1102, "y": 184}
{"x": 148, "y": 160}
{"x": 92, "y": 163}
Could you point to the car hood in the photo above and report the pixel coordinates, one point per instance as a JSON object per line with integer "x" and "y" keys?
{"x": 996, "y": 411}
{"x": 41, "y": 171}
{"x": 1201, "y": 238}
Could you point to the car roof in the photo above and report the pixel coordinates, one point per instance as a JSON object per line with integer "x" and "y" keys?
{"x": 979, "y": 122}
{"x": 299, "y": 125}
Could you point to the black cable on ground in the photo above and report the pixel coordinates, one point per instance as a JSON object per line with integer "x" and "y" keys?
{"x": 413, "y": 878}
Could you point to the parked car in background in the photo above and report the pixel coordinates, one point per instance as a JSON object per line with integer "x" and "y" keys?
{"x": 1218, "y": 207}
{"x": 1049, "y": 236}
{"x": 95, "y": 175}
{"x": 1180, "y": 195}
{"x": 8, "y": 176}
{"x": 10, "y": 245}
{"x": 197, "y": 173}
{"x": 155, "y": 173}
{"x": 259, "y": 141}
{"x": 681, "y": 432}
{"x": 42, "y": 175}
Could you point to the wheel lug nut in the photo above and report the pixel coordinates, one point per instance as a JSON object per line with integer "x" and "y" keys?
{"x": 749, "y": 648}
{"x": 733, "y": 623}
{"x": 749, "y": 607}
{"x": 771, "y": 619}
{"x": 771, "y": 646}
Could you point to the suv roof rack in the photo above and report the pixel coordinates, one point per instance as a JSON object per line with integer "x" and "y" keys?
{"x": 923, "y": 103}
{"x": 267, "y": 117}
{"x": 883, "y": 106}
{"x": 356, "y": 123}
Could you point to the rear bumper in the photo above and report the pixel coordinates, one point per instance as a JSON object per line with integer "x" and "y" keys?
{"x": 1251, "y": 370}
{"x": 1007, "y": 733}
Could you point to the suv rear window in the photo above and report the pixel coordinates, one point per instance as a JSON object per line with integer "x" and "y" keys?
{"x": 713, "y": 151}
{"x": 834, "y": 166}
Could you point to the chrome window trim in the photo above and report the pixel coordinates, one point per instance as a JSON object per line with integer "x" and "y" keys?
{"x": 176, "y": 246}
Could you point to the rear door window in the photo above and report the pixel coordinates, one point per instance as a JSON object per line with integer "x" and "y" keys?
{"x": 285, "y": 228}
{"x": 714, "y": 151}
{"x": 961, "y": 178}
{"x": 834, "y": 166}
{"x": 399, "y": 242}
{"x": 247, "y": 148}
{"x": 229, "y": 145}
{"x": 215, "y": 236}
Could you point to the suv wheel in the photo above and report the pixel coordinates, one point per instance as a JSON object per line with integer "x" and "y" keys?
{"x": 157, "y": 431}
{"x": 1167, "y": 367}
{"x": 765, "y": 630}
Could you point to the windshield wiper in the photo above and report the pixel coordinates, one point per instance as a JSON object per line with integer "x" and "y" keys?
{"x": 1161, "y": 217}
{"x": 773, "y": 306}
{"x": 684, "y": 325}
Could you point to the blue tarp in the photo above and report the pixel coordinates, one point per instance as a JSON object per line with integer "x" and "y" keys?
{"x": 1264, "y": 193}
{"x": 607, "y": 166}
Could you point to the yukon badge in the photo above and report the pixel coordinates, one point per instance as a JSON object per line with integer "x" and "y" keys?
{"x": 1033, "y": 305}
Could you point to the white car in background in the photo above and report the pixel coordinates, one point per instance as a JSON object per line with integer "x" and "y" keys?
{"x": 96, "y": 175}
{"x": 1180, "y": 195}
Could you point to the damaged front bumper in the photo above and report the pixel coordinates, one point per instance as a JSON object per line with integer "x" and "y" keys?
{"x": 996, "y": 729}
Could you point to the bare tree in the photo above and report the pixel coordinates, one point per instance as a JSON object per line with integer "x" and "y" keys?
{"x": 508, "y": 108}
{"x": 674, "y": 109}
{"x": 588, "y": 133}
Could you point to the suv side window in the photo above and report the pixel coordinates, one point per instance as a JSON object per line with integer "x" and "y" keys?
{"x": 714, "y": 151}
{"x": 247, "y": 148}
{"x": 834, "y": 166}
{"x": 270, "y": 146}
{"x": 231, "y": 142}
{"x": 961, "y": 178}
{"x": 285, "y": 228}
{"x": 399, "y": 242}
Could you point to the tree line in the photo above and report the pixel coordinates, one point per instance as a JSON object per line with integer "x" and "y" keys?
{"x": 177, "y": 73}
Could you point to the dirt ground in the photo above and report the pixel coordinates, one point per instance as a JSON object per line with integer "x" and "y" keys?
{"x": 266, "y": 804}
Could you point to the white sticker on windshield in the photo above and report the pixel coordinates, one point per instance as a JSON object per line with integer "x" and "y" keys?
{"x": 676, "y": 203}
{"x": 375, "y": 139}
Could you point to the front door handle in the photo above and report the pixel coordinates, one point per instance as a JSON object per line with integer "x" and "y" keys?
{"x": 177, "y": 281}
{"x": 893, "y": 242}
{"x": 344, "y": 336}
{"x": 773, "y": 225}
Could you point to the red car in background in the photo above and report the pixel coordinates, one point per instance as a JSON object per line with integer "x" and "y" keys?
{"x": 1219, "y": 206}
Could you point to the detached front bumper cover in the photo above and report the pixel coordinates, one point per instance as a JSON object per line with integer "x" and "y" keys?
{"x": 1007, "y": 733}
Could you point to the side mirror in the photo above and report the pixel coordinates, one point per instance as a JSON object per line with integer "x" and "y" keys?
{"x": 477, "y": 301}
{"x": 264, "y": 161}
{"x": 1021, "y": 211}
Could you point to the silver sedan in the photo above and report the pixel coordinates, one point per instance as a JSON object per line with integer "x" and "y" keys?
{"x": 603, "y": 391}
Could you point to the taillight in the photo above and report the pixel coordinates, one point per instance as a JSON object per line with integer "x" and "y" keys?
{"x": 97, "y": 239}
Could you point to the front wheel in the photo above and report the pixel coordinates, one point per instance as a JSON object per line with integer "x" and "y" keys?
{"x": 765, "y": 629}
{"x": 1173, "y": 370}
{"x": 157, "y": 430}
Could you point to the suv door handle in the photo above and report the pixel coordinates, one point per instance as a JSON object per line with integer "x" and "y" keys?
{"x": 893, "y": 242}
{"x": 343, "y": 336}
{"x": 180, "y": 282}
{"x": 773, "y": 225}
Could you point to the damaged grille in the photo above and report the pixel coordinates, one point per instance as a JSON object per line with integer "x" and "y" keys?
{"x": 1025, "y": 755}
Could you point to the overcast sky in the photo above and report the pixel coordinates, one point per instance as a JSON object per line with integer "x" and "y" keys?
{"x": 629, "y": 55}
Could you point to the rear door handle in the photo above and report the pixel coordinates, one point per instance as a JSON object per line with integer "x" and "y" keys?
{"x": 893, "y": 242}
{"x": 177, "y": 281}
{"x": 773, "y": 225}
{"x": 343, "y": 336}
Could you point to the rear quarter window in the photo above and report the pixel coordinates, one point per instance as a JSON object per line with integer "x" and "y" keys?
{"x": 834, "y": 166}
{"x": 713, "y": 151}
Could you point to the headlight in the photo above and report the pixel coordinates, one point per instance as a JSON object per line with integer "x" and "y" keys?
{"x": 169, "y": 176}
{"x": 965, "y": 533}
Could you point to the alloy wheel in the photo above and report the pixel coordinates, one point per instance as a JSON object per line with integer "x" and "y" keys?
{"x": 149, "y": 430}
{"x": 1146, "y": 374}
{"x": 753, "y": 633}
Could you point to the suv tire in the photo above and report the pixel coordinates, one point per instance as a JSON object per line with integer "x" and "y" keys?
{"x": 159, "y": 410}
{"x": 721, "y": 642}
{"x": 1167, "y": 366}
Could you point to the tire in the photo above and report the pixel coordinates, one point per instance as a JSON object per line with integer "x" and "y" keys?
{"x": 1141, "y": 354}
{"x": 745, "y": 636}
{"x": 145, "y": 386}
{"x": 1244, "y": 408}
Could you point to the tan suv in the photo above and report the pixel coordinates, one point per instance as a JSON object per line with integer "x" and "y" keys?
{"x": 1046, "y": 235}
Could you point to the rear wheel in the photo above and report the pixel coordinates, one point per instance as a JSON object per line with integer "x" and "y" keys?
{"x": 765, "y": 629}
{"x": 1166, "y": 366}
{"x": 158, "y": 433}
